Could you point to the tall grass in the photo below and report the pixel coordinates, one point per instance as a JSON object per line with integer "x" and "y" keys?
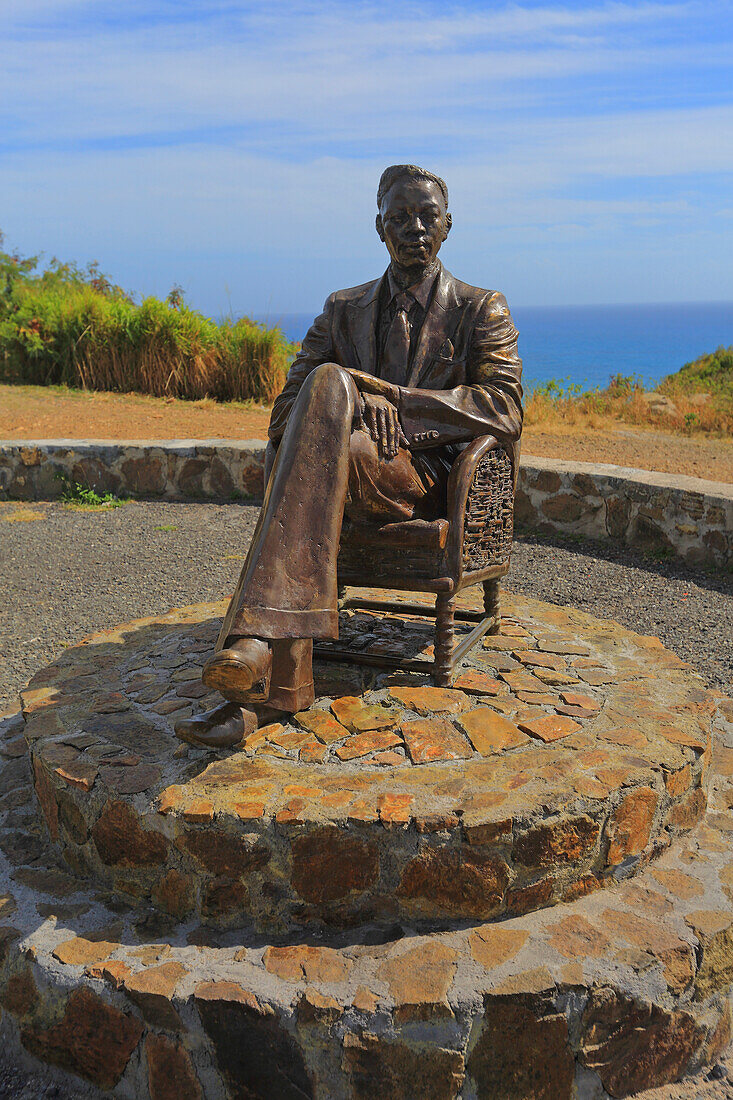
{"x": 696, "y": 404}
{"x": 70, "y": 326}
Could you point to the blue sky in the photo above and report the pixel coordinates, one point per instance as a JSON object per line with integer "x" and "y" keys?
{"x": 235, "y": 147}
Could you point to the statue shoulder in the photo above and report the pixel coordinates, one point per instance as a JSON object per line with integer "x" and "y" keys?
{"x": 352, "y": 293}
{"x": 491, "y": 302}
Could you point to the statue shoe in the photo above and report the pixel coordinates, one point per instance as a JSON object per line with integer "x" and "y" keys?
{"x": 241, "y": 672}
{"x": 221, "y": 728}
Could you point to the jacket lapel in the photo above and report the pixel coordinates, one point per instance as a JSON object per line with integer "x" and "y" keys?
{"x": 363, "y": 318}
{"x": 438, "y": 327}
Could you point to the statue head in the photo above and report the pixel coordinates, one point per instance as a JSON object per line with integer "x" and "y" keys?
{"x": 413, "y": 219}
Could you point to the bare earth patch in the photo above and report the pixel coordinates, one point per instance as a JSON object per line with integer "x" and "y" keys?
{"x": 36, "y": 412}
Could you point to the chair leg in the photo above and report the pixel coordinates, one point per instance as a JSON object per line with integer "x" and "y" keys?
{"x": 444, "y": 640}
{"x": 492, "y": 604}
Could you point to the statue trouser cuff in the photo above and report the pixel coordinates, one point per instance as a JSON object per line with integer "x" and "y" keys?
{"x": 250, "y": 670}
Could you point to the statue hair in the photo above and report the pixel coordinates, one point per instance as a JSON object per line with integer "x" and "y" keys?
{"x": 412, "y": 171}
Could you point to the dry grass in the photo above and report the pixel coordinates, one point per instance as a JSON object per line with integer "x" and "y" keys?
{"x": 609, "y": 409}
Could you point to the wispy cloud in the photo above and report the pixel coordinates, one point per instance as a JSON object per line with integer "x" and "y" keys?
{"x": 240, "y": 142}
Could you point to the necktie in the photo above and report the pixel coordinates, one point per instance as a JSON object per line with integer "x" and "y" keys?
{"x": 396, "y": 352}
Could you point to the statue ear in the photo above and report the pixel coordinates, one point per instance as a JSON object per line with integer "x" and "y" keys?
{"x": 380, "y": 227}
{"x": 448, "y": 224}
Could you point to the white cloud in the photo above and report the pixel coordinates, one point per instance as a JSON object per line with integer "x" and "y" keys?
{"x": 378, "y": 73}
{"x": 213, "y": 142}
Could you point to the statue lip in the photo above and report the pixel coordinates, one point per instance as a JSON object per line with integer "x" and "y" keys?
{"x": 414, "y": 246}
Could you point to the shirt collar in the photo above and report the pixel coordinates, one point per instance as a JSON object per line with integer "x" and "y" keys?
{"x": 419, "y": 291}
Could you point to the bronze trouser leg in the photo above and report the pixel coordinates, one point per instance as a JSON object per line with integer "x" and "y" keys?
{"x": 287, "y": 588}
{"x": 287, "y": 591}
{"x": 381, "y": 492}
{"x": 291, "y": 683}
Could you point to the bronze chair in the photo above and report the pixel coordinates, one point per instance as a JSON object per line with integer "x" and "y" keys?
{"x": 444, "y": 556}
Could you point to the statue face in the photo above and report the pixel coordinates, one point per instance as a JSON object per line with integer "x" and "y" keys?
{"x": 413, "y": 222}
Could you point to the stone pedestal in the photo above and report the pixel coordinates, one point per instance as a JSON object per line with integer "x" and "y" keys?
{"x": 514, "y": 887}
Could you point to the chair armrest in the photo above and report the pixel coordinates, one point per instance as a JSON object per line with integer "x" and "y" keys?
{"x": 481, "y": 507}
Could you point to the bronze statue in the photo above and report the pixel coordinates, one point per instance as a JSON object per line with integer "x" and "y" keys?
{"x": 393, "y": 380}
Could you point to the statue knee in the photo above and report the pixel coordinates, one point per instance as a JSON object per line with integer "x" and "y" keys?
{"x": 331, "y": 379}
{"x": 329, "y": 374}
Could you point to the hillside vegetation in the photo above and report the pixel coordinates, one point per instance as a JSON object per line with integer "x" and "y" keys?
{"x": 696, "y": 398}
{"x": 64, "y": 325}
{"x": 711, "y": 374}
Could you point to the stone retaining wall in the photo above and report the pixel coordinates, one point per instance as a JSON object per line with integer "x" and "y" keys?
{"x": 659, "y": 513}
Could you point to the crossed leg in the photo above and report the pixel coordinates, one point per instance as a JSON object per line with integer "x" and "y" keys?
{"x": 327, "y": 465}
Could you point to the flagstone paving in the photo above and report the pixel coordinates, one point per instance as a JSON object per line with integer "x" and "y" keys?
{"x": 389, "y": 798}
{"x": 603, "y": 993}
{"x": 117, "y": 966}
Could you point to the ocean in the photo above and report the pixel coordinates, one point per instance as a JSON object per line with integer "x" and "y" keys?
{"x": 585, "y": 345}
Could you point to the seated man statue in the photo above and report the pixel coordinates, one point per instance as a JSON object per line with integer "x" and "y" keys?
{"x": 394, "y": 378}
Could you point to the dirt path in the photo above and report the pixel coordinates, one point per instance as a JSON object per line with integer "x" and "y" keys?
{"x": 35, "y": 412}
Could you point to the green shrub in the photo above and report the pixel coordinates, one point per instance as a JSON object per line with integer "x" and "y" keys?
{"x": 70, "y": 326}
{"x": 711, "y": 373}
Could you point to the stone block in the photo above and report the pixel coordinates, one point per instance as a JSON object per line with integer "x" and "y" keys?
{"x": 171, "y": 1075}
{"x": 521, "y": 1054}
{"x": 566, "y": 840}
{"x": 618, "y": 514}
{"x": 564, "y": 508}
{"x": 92, "y": 1039}
{"x": 419, "y": 981}
{"x": 224, "y": 853}
{"x": 689, "y": 811}
{"x": 456, "y": 882}
{"x": 630, "y": 826}
{"x": 358, "y": 717}
{"x": 525, "y": 514}
{"x": 714, "y": 930}
{"x": 525, "y": 899}
{"x": 93, "y": 473}
{"x": 19, "y": 994}
{"x": 547, "y": 481}
{"x": 255, "y": 1054}
{"x": 381, "y": 1067}
{"x": 432, "y": 739}
{"x": 635, "y": 1046}
{"x": 493, "y": 945}
{"x": 490, "y": 732}
{"x": 145, "y": 475}
{"x": 121, "y": 840}
{"x": 430, "y": 700}
{"x": 152, "y": 991}
{"x": 329, "y": 865}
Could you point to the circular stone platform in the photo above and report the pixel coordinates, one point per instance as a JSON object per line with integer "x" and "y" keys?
{"x": 112, "y": 975}
{"x": 568, "y": 753}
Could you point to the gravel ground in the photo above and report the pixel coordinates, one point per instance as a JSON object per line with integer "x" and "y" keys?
{"x": 67, "y": 573}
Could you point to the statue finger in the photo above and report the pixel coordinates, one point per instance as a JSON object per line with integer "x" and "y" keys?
{"x": 393, "y": 429}
{"x": 383, "y": 436}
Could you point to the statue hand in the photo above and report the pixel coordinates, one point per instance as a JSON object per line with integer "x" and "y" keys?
{"x": 367, "y": 383}
{"x": 383, "y": 424}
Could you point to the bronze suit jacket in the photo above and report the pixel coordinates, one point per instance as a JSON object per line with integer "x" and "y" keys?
{"x": 464, "y": 376}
